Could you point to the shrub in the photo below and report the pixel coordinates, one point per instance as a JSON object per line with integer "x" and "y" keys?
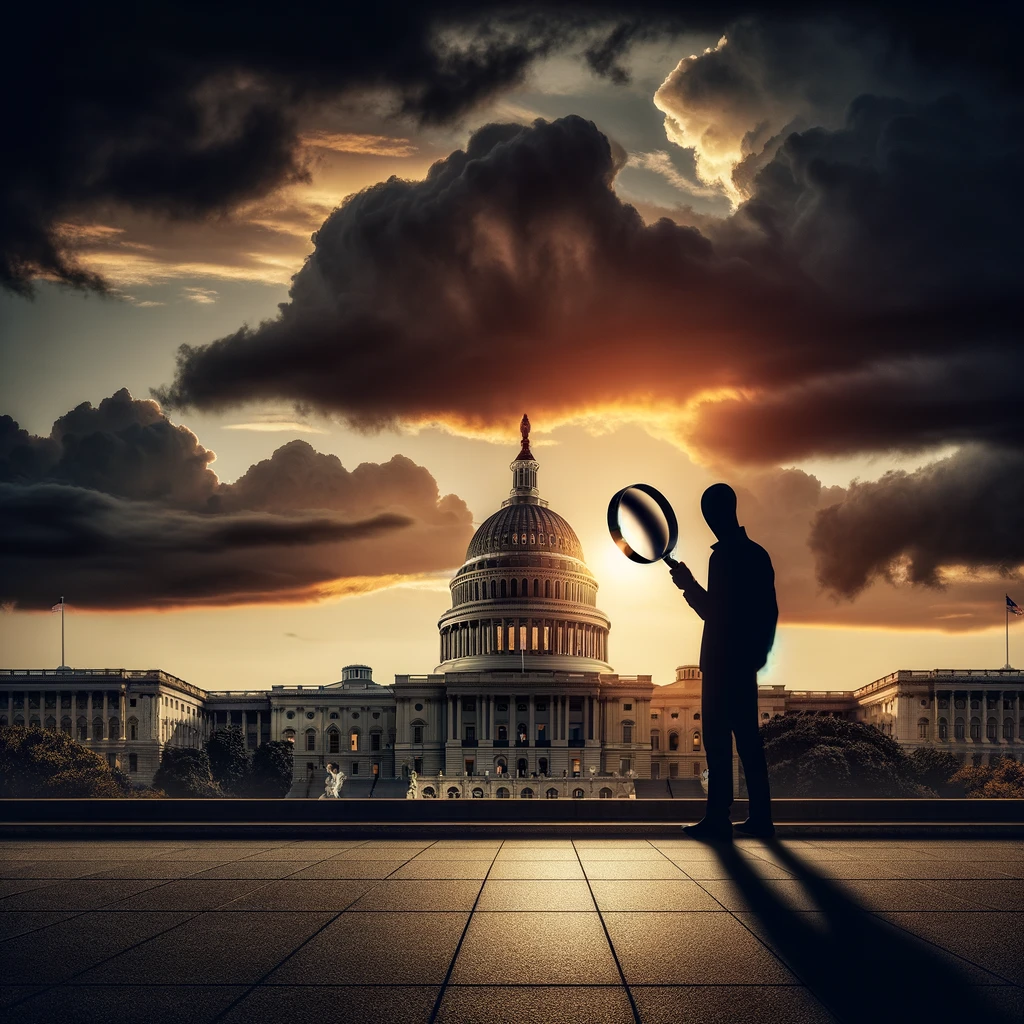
{"x": 935, "y": 768}
{"x": 41, "y": 763}
{"x": 1002, "y": 780}
{"x": 230, "y": 762}
{"x": 271, "y": 771}
{"x": 185, "y": 772}
{"x": 830, "y": 757}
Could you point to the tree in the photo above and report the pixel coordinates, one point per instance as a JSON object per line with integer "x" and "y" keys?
{"x": 1002, "y": 780}
{"x": 271, "y": 772}
{"x": 819, "y": 756}
{"x": 935, "y": 768}
{"x": 185, "y": 772}
{"x": 230, "y": 762}
{"x": 42, "y": 763}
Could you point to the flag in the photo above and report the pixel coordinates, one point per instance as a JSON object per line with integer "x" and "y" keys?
{"x": 1013, "y": 606}
{"x": 60, "y": 605}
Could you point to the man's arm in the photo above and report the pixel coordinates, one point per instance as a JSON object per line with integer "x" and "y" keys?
{"x": 696, "y": 596}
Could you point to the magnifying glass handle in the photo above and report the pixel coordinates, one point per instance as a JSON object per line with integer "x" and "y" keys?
{"x": 670, "y": 561}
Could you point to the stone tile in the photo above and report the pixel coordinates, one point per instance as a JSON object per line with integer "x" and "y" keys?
{"x": 503, "y": 894}
{"x": 189, "y": 894}
{"x": 420, "y": 894}
{"x": 48, "y": 869}
{"x": 353, "y": 1004}
{"x": 10, "y": 886}
{"x": 929, "y": 869}
{"x": 701, "y": 871}
{"x": 386, "y": 853}
{"x": 129, "y": 1004}
{"x": 156, "y": 869}
{"x": 256, "y": 869}
{"x": 439, "y": 869}
{"x": 24, "y": 921}
{"x": 538, "y": 843}
{"x": 11, "y": 994}
{"x": 991, "y": 940}
{"x": 609, "y": 853}
{"x": 791, "y": 893}
{"x": 729, "y": 1004}
{"x": 901, "y": 894}
{"x": 691, "y": 948}
{"x": 518, "y": 1004}
{"x": 376, "y": 949}
{"x": 1006, "y": 894}
{"x": 535, "y": 949}
{"x": 212, "y": 949}
{"x": 648, "y": 869}
{"x": 509, "y": 853}
{"x": 310, "y": 894}
{"x": 57, "y": 953}
{"x": 483, "y": 847}
{"x": 536, "y": 869}
{"x": 217, "y": 853}
{"x": 652, "y": 895}
{"x": 615, "y": 844}
{"x": 854, "y": 869}
{"x": 80, "y": 894}
{"x": 349, "y": 869}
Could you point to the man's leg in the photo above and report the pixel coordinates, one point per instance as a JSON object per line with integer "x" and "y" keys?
{"x": 717, "y": 746}
{"x": 745, "y": 726}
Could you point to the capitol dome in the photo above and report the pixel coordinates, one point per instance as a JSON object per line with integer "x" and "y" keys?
{"x": 524, "y": 597}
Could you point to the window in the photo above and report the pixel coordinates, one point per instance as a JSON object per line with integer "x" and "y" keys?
{"x": 696, "y": 767}
{"x": 374, "y": 741}
{"x": 526, "y": 794}
{"x": 575, "y": 767}
{"x": 673, "y": 771}
{"x": 417, "y": 734}
{"x": 991, "y": 730}
{"x": 542, "y": 766}
{"x": 696, "y": 739}
{"x": 289, "y": 735}
{"x": 655, "y": 770}
{"x": 552, "y": 794}
{"x": 503, "y": 733}
{"x": 417, "y": 765}
{"x": 627, "y": 732}
{"x": 625, "y": 765}
{"x": 355, "y": 767}
{"x": 975, "y": 728}
{"x": 353, "y": 740}
{"x": 470, "y": 732}
{"x": 133, "y": 762}
{"x": 311, "y": 739}
{"x": 334, "y": 742}
{"x": 627, "y": 707}
{"x": 97, "y": 728}
{"x": 132, "y": 702}
{"x": 502, "y": 793}
{"x": 696, "y": 716}
{"x": 1008, "y": 729}
{"x": 958, "y": 729}
{"x": 673, "y": 741}
{"x": 943, "y": 729}
{"x": 478, "y": 793}
{"x": 922, "y": 728}
{"x": 655, "y": 740}
{"x": 578, "y": 794}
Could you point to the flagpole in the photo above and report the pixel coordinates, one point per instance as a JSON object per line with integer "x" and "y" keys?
{"x": 62, "y": 631}
{"x": 1006, "y": 616}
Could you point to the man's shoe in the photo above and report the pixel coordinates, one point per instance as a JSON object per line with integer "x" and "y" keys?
{"x": 755, "y": 829}
{"x": 710, "y": 830}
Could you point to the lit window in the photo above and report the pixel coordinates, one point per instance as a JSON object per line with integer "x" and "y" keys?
{"x": 353, "y": 741}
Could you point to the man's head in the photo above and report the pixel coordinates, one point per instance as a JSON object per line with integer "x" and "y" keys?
{"x": 332, "y": 766}
{"x": 718, "y": 503}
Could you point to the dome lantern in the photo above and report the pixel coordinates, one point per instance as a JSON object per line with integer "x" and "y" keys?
{"x": 524, "y": 469}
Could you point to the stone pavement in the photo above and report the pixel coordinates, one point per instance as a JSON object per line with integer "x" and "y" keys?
{"x": 519, "y": 930}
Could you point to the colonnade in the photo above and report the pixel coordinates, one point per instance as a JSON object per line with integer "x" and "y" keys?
{"x": 67, "y": 709}
{"x": 512, "y": 635}
{"x": 556, "y": 717}
{"x": 966, "y": 724}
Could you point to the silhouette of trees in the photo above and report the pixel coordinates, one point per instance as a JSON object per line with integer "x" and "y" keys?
{"x": 819, "y": 756}
{"x": 44, "y": 763}
{"x": 1004, "y": 779}
{"x": 935, "y": 768}
{"x": 185, "y": 772}
{"x": 271, "y": 770}
{"x": 230, "y": 762}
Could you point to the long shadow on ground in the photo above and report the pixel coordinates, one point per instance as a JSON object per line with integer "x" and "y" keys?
{"x": 860, "y": 967}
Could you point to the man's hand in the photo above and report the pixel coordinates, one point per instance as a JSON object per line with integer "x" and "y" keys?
{"x": 681, "y": 576}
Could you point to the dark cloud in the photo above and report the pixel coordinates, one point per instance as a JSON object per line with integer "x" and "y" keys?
{"x": 963, "y": 511}
{"x": 119, "y": 507}
{"x": 185, "y": 112}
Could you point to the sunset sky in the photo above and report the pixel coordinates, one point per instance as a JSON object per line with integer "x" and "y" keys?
{"x": 780, "y": 249}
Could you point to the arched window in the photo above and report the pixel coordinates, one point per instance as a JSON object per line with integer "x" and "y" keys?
{"x": 65, "y": 725}
{"x": 333, "y": 741}
{"x": 547, "y": 588}
{"x": 353, "y": 740}
{"x": 578, "y": 794}
{"x": 51, "y": 723}
{"x": 605, "y": 793}
{"x": 922, "y": 728}
{"x": 992, "y": 730}
{"x": 1008, "y": 729}
{"x": 526, "y": 794}
{"x": 975, "y": 728}
{"x": 503, "y": 733}
{"x": 133, "y": 762}
{"x": 542, "y": 765}
{"x": 504, "y": 588}
{"x": 428, "y": 793}
{"x": 453, "y": 793}
{"x": 536, "y": 588}
{"x": 513, "y": 588}
{"x": 526, "y": 585}
{"x": 500, "y": 766}
{"x": 502, "y": 793}
{"x": 493, "y": 589}
{"x": 115, "y": 729}
{"x": 289, "y": 735}
{"x": 959, "y": 729}
{"x": 478, "y": 793}
{"x": 696, "y": 739}
{"x": 552, "y": 794}
{"x": 943, "y": 729}
{"x": 522, "y": 768}
{"x": 655, "y": 739}
{"x": 627, "y": 732}
{"x": 558, "y": 590}
{"x": 311, "y": 739}
{"x": 696, "y": 716}
{"x": 673, "y": 741}
{"x": 97, "y": 728}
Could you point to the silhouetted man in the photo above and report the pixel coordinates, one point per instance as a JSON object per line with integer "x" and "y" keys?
{"x": 739, "y": 612}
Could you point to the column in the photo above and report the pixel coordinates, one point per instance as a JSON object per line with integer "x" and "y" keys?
{"x": 88, "y": 714}
{"x": 458, "y": 718}
{"x": 531, "y": 733}
{"x": 259, "y": 728}
{"x": 487, "y": 718}
{"x": 106, "y": 711}
{"x": 122, "y": 709}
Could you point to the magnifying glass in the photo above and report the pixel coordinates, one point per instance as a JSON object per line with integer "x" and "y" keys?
{"x": 643, "y": 524}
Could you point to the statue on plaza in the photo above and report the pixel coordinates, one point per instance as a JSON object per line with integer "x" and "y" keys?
{"x": 333, "y": 782}
{"x": 414, "y": 786}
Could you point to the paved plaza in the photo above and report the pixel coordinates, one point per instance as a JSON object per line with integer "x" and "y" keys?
{"x": 472, "y": 931}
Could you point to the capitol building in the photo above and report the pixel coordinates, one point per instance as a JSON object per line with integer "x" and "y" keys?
{"x": 523, "y": 701}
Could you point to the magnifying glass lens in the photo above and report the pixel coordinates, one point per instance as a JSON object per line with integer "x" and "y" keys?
{"x": 643, "y": 525}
